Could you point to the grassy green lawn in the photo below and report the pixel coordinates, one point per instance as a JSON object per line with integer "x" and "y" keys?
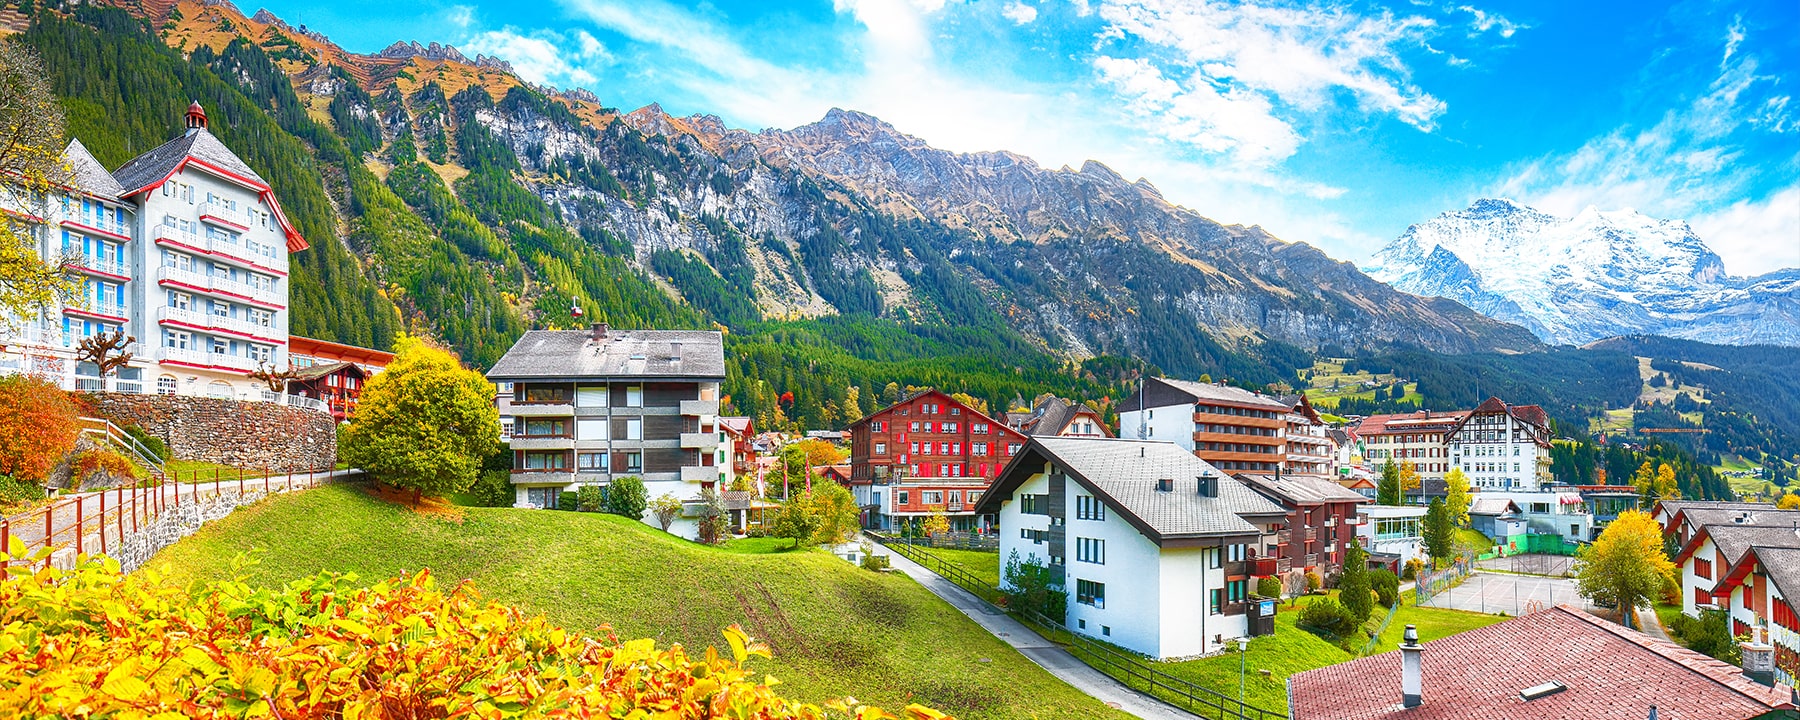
{"x": 1473, "y": 540}
{"x": 984, "y": 565}
{"x": 835, "y": 629}
{"x": 1666, "y": 615}
{"x": 188, "y": 470}
{"x": 1290, "y": 650}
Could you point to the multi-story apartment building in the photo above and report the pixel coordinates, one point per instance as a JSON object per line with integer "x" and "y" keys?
{"x": 583, "y": 407}
{"x": 1714, "y": 538}
{"x": 184, "y": 248}
{"x": 1415, "y": 437}
{"x": 1310, "y": 447}
{"x": 1321, "y": 522}
{"x": 1501, "y": 446}
{"x": 926, "y": 443}
{"x": 1235, "y": 430}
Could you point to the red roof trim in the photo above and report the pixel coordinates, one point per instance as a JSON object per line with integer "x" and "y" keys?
{"x": 295, "y": 242}
{"x": 201, "y": 366}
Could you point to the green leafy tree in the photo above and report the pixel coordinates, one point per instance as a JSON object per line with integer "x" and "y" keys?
{"x": 493, "y": 488}
{"x": 1269, "y": 587}
{"x": 589, "y": 498}
{"x": 1387, "y": 492}
{"x": 1353, "y": 586}
{"x": 1386, "y": 585}
{"x": 837, "y": 513}
{"x": 1032, "y": 585}
{"x": 666, "y": 508}
{"x": 424, "y": 423}
{"x": 626, "y": 496}
{"x": 1626, "y": 565}
{"x": 798, "y": 520}
{"x": 31, "y": 123}
{"x": 1440, "y": 535}
{"x": 1457, "y": 496}
{"x": 715, "y": 522}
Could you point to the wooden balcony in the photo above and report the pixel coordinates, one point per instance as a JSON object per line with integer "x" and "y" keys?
{"x": 1264, "y": 566}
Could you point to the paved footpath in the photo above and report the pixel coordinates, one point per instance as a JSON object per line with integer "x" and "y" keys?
{"x": 1653, "y": 625}
{"x": 1049, "y": 655}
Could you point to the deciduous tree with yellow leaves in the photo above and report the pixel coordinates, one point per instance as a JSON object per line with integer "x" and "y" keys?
{"x": 425, "y": 423}
{"x": 1626, "y": 565}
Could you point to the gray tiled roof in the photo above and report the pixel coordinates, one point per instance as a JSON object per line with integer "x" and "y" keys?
{"x": 90, "y": 175}
{"x": 1733, "y": 540}
{"x": 1783, "y": 566}
{"x": 1302, "y": 489}
{"x": 1127, "y": 471}
{"x": 624, "y": 353}
{"x": 1763, "y": 515}
{"x": 1491, "y": 506}
{"x": 151, "y": 167}
{"x": 1226, "y": 393}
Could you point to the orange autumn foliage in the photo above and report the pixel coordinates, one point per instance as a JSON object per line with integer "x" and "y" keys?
{"x": 38, "y": 426}
{"x": 94, "y": 643}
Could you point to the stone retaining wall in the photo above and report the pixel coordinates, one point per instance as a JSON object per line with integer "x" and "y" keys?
{"x": 229, "y": 432}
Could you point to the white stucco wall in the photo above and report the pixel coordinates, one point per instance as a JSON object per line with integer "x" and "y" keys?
{"x": 1170, "y": 423}
{"x": 1133, "y": 577}
{"x": 1690, "y": 581}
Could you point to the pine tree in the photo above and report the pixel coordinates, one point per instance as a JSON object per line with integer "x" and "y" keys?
{"x": 1388, "y": 491}
{"x": 1440, "y": 535}
{"x": 1353, "y": 585}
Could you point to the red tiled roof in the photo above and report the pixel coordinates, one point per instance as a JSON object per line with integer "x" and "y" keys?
{"x": 1404, "y": 422}
{"x": 1612, "y": 673}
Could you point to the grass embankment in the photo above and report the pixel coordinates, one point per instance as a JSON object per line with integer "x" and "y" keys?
{"x": 1327, "y": 383}
{"x": 835, "y": 629}
{"x": 1290, "y": 649}
{"x": 1473, "y": 540}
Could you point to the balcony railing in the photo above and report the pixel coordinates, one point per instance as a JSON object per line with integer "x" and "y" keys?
{"x": 220, "y": 211}
{"x": 95, "y": 262}
{"x": 1284, "y": 536}
{"x": 217, "y": 322}
{"x": 699, "y": 440}
{"x": 90, "y": 305}
{"x": 699, "y": 407}
{"x": 175, "y": 234}
{"x": 550, "y": 409}
{"x": 1263, "y": 566}
{"x": 100, "y": 222}
{"x": 1309, "y": 534}
{"x": 202, "y": 357}
{"x": 1236, "y": 568}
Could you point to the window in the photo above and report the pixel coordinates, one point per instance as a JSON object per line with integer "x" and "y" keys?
{"x": 546, "y": 460}
{"x": 949, "y": 427}
{"x": 904, "y": 497}
{"x": 1090, "y": 550}
{"x": 537, "y": 427}
{"x": 634, "y": 462}
{"x": 1012, "y": 449}
{"x": 931, "y": 497}
{"x": 1235, "y": 553}
{"x": 1218, "y": 601}
{"x": 1088, "y": 592}
{"x": 177, "y": 340}
{"x": 974, "y": 496}
{"x": 506, "y": 428}
{"x": 220, "y": 347}
{"x": 1236, "y": 590}
{"x": 634, "y": 396}
{"x": 264, "y": 354}
{"x": 591, "y": 461}
{"x": 1088, "y": 507}
{"x": 880, "y": 448}
{"x": 634, "y": 429}
{"x": 979, "y": 428}
{"x": 914, "y": 426}
{"x": 981, "y": 448}
{"x": 181, "y": 300}
{"x": 1212, "y": 558}
{"x": 1702, "y": 568}
{"x": 1540, "y": 508}
{"x": 1034, "y": 504}
{"x": 590, "y": 429}
{"x": 165, "y": 385}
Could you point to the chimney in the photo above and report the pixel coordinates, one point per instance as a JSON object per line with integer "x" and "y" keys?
{"x": 597, "y": 331}
{"x": 196, "y": 117}
{"x": 1411, "y": 673}
{"x": 675, "y": 352}
{"x": 1759, "y": 657}
{"x": 1165, "y": 484}
{"x": 1208, "y": 485}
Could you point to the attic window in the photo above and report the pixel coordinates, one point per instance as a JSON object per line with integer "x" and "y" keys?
{"x": 1537, "y": 691}
{"x": 1165, "y": 485}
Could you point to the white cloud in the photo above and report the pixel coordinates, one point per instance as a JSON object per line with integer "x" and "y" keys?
{"x": 1220, "y": 76}
{"x": 1484, "y": 21}
{"x": 543, "y": 56}
{"x": 461, "y": 16}
{"x": 1019, "y": 13}
{"x": 1685, "y": 166}
{"x": 1755, "y": 237}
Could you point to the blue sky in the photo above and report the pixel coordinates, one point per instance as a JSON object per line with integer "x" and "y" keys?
{"x": 1332, "y": 123}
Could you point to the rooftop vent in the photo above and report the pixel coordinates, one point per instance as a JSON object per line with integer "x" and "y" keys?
{"x": 1542, "y": 690}
{"x": 1412, "y": 675}
{"x": 1208, "y": 485}
{"x": 1165, "y": 485}
{"x": 597, "y": 331}
{"x": 674, "y": 352}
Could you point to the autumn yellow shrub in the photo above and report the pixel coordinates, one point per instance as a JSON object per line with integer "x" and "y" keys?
{"x": 106, "y": 461}
{"x": 93, "y": 643}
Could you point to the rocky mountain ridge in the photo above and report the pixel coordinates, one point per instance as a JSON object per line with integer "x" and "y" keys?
{"x": 1598, "y": 274}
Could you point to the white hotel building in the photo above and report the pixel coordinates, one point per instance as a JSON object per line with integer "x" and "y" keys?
{"x": 184, "y": 248}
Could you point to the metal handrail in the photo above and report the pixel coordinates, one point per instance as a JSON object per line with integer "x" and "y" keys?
{"x": 118, "y": 435}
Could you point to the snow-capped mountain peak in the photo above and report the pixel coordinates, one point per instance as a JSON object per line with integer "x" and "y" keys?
{"x": 1598, "y": 274}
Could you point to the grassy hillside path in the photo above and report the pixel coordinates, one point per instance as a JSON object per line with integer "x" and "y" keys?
{"x": 1046, "y": 654}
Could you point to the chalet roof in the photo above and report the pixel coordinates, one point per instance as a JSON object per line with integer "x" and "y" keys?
{"x": 621, "y": 353}
{"x": 975, "y": 415}
{"x": 153, "y": 167}
{"x": 1734, "y": 540}
{"x": 1050, "y": 416}
{"x": 1675, "y": 507}
{"x": 736, "y": 425}
{"x": 1124, "y": 473}
{"x": 315, "y": 372}
{"x": 1747, "y": 515}
{"x": 89, "y": 175}
{"x": 1478, "y": 675}
{"x": 1782, "y": 565}
{"x": 1301, "y": 489}
{"x": 1163, "y": 392}
{"x": 1492, "y": 506}
{"x": 1531, "y": 414}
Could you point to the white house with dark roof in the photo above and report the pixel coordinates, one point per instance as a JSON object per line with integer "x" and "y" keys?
{"x": 1151, "y": 542}
{"x": 583, "y": 407}
{"x": 185, "y": 248}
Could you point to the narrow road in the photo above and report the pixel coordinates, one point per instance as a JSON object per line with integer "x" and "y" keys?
{"x": 1046, "y": 654}
{"x": 1652, "y": 625}
{"x": 94, "y": 521}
